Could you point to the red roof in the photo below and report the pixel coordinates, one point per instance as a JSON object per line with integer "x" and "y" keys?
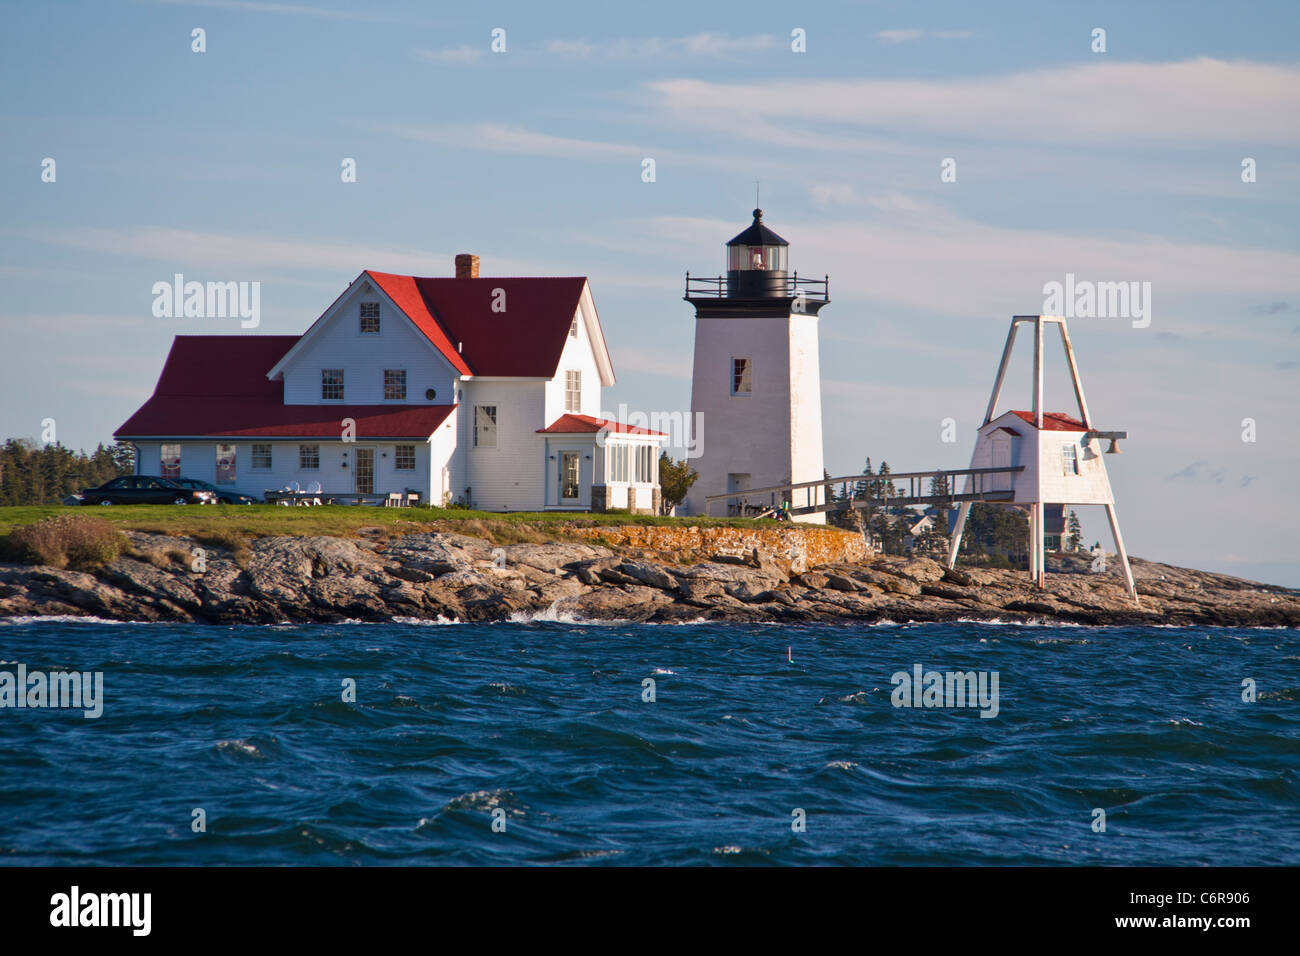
{"x": 585, "y": 424}
{"x": 524, "y": 340}
{"x": 215, "y": 386}
{"x": 1055, "y": 422}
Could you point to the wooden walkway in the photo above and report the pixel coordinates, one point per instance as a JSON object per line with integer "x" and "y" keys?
{"x": 816, "y": 494}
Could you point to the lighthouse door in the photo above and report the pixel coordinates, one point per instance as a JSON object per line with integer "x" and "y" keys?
{"x": 1001, "y": 459}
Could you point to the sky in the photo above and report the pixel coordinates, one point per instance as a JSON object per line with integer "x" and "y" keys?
{"x": 1115, "y": 165}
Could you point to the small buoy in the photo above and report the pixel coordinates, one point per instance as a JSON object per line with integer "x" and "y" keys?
{"x": 788, "y": 656}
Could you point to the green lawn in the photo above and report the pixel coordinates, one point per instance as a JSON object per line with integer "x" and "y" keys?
{"x": 256, "y": 521}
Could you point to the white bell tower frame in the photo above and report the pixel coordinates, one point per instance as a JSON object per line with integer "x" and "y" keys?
{"x": 1060, "y": 461}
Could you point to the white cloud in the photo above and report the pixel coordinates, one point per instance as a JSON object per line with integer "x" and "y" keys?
{"x": 698, "y": 44}
{"x": 252, "y": 6}
{"x": 1111, "y": 103}
{"x": 456, "y": 56}
{"x": 895, "y": 37}
{"x": 899, "y": 36}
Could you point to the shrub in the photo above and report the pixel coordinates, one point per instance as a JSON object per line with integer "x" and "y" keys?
{"x": 69, "y": 541}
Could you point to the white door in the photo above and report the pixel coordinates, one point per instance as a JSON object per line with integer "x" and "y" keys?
{"x": 363, "y": 471}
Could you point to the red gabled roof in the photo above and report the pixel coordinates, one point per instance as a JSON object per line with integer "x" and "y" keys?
{"x": 525, "y": 340}
{"x": 1054, "y": 422}
{"x": 215, "y": 386}
{"x": 404, "y": 291}
{"x": 585, "y": 424}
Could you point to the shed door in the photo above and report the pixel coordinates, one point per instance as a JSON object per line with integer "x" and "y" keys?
{"x": 1001, "y": 459}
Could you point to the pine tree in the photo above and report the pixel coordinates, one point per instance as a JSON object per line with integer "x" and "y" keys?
{"x": 1074, "y": 532}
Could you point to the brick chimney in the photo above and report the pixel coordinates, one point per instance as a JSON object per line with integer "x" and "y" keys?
{"x": 466, "y": 266}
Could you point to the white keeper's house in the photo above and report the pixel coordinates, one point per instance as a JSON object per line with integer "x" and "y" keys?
{"x": 485, "y": 391}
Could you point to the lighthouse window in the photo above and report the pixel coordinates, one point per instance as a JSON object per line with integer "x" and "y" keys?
{"x": 1070, "y": 459}
{"x": 742, "y": 376}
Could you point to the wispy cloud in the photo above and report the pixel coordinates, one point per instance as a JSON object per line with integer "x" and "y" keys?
{"x": 454, "y": 56}
{"x": 698, "y": 44}
{"x": 895, "y": 37}
{"x": 295, "y": 9}
{"x": 1111, "y": 103}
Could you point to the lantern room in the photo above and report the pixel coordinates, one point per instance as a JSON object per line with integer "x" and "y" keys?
{"x": 757, "y": 262}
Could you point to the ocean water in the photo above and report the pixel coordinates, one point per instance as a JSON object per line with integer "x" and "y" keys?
{"x": 541, "y": 729}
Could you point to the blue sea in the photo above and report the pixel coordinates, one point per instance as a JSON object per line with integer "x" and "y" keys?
{"x": 535, "y": 743}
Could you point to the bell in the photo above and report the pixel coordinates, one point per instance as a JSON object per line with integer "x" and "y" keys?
{"x": 1114, "y": 448}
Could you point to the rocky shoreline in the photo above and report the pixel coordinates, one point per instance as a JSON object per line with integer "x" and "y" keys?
{"x": 454, "y": 577}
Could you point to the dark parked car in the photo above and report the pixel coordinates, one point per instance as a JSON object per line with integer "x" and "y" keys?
{"x": 145, "y": 490}
{"x": 224, "y": 495}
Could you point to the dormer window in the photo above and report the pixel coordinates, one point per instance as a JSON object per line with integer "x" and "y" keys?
{"x": 370, "y": 318}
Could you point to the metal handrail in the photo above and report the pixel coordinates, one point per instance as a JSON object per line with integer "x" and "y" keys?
{"x": 715, "y": 287}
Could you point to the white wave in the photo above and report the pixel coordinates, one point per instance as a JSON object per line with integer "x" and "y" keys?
{"x": 439, "y": 621}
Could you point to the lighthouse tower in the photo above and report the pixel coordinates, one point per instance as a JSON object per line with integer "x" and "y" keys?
{"x": 756, "y": 387}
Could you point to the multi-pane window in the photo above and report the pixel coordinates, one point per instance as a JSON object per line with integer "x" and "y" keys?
{"x": 308, "y": 457}
{"x": 742, "y": 376}
{"x": 171, "y": 460}
{"x": 573, "y": 327}
{"x": 395, "y": 384}
{"x": 617, "y": 462}
{"x": 404, "y": 458}
{"x": 573, "y": 391}
{"x": 225, "y": 463}
{"x": 1070, "y": 459}
{"x": 331, "y": 384}
{"x": 644, "y": 463}
{"x": 370, "y": 318}
{"x": 485, "y": 426}
{"x": 261, "y": 457}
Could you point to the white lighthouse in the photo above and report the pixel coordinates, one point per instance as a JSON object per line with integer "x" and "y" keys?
{"x": 756, "y": 387}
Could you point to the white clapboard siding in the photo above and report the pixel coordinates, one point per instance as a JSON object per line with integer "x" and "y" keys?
{"x": 339, "y": 343}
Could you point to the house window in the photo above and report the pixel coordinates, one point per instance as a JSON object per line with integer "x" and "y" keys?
{"x": 395, "y": 384}
{"x": 617, "y": 462}
{"x": 573, "y": 391}
{"x": 370, "y": 318}
{"x": 309, "y": 457}
{"x": 331, "y": 384}
{"x": 225, "y": 464}
{"x": 404, "y": 458}
{"x": 573, "y": 327}
{"x": 1070, "y": 459}
{"x": 485, "y": 426}
{"x": 261, "y": 458}
{"x": 742, "y": 371}
{"x": 644, "y": 461}
{"x": 171, "y": 461}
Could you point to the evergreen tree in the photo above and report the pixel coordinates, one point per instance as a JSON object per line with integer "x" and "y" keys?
{"x": 1073, "y": 532}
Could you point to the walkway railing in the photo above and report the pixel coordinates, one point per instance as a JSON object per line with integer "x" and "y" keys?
{"x": 816, "y": 497}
